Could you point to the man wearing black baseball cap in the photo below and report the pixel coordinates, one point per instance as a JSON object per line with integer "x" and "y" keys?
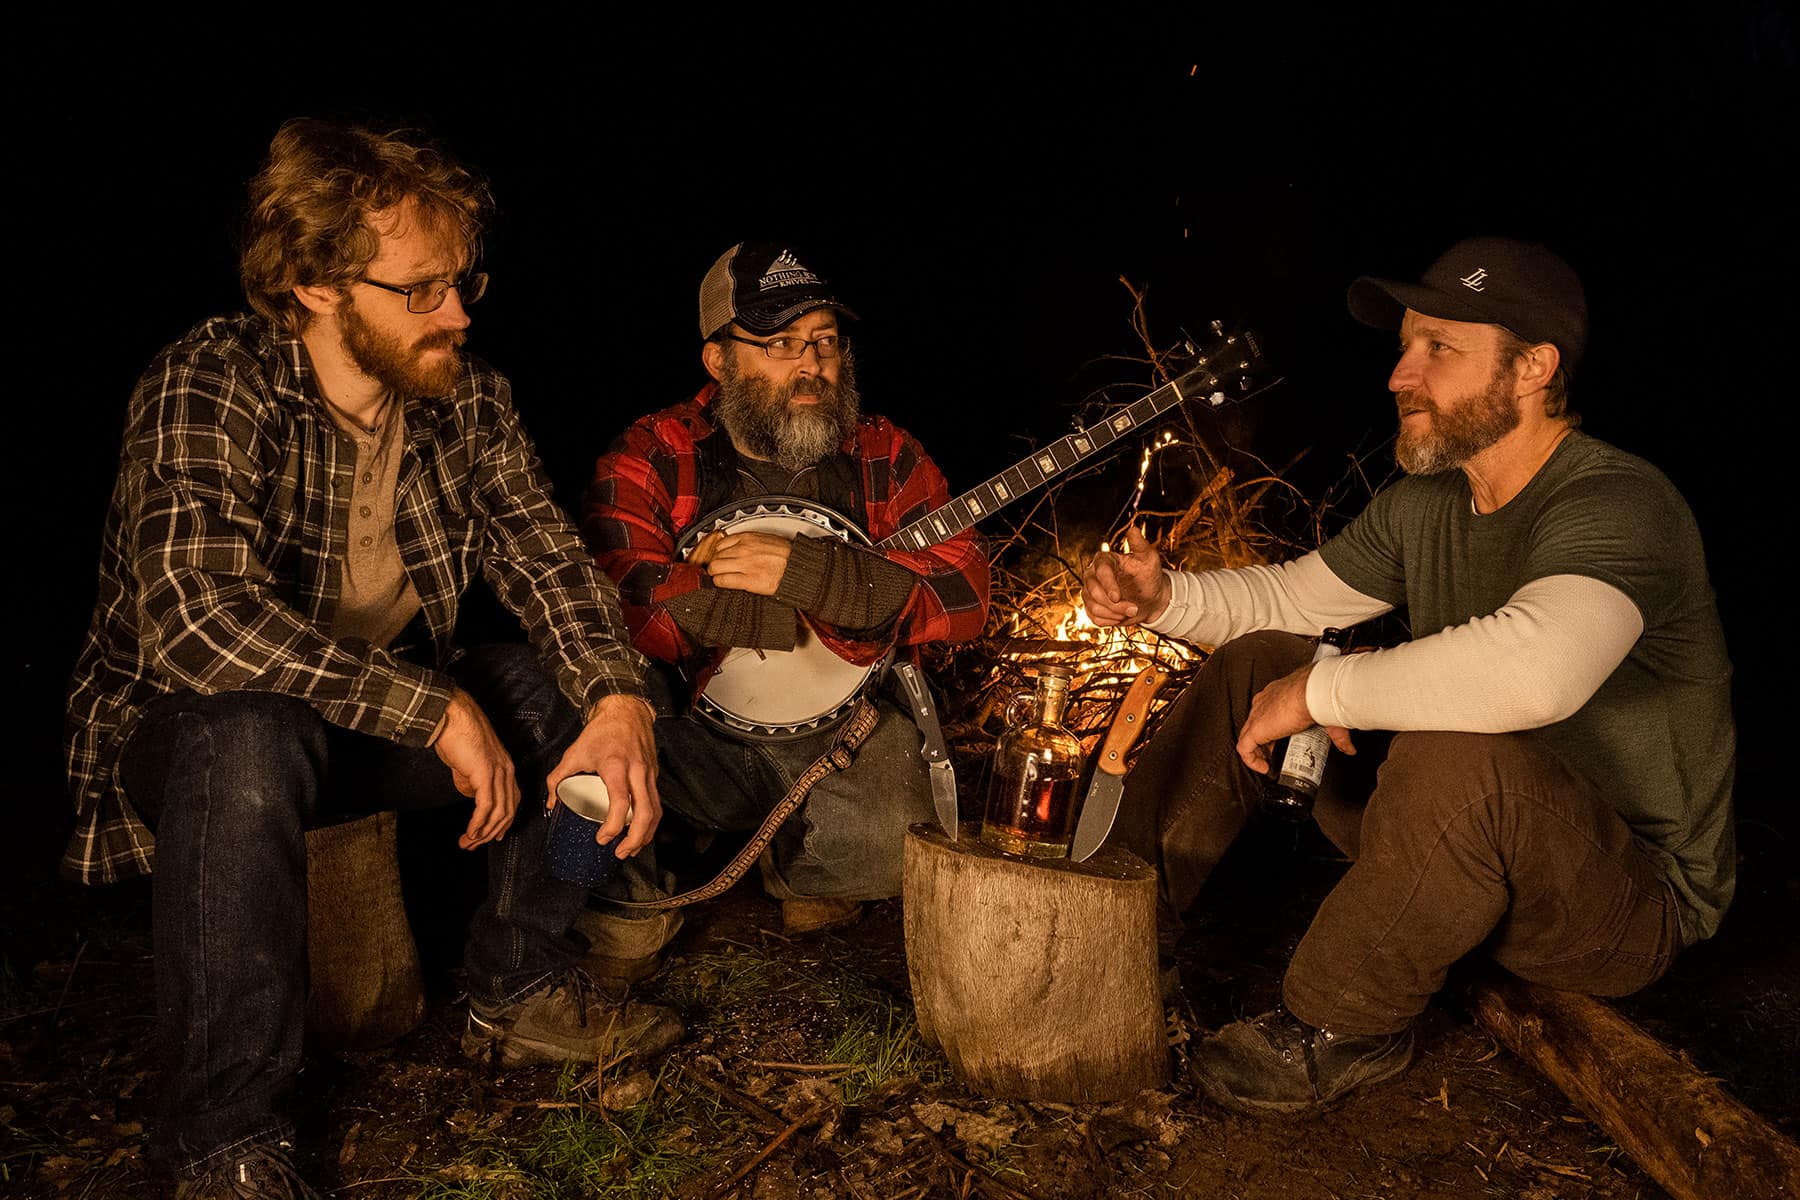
{"x": 1557, "y": 789}
{"x": 1520, "y": 286}
{"x": 780, "y": 416}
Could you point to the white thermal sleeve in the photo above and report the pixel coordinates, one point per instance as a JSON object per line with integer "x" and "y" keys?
{"x": 1533, "y": 662}
{"x": 1302, "y": 595}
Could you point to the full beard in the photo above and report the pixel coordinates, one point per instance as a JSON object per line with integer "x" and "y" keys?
{"x": 398, "y": 367}
{"x": 760, "y": 416}
{"x": 1455, "y": 435}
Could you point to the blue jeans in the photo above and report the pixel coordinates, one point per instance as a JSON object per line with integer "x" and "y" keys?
{"x": 230, "y": 783}
{"x": 844, "y": 843}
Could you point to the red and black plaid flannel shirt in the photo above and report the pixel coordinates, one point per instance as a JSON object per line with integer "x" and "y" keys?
{"x": 647, "y": 490}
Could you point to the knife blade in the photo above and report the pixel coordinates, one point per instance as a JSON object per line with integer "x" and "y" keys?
{"x": 1101, "y": 804}
{"x": 936, "y": 755}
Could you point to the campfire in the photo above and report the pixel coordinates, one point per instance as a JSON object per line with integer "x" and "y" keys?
{"x": 1201, "y": 501}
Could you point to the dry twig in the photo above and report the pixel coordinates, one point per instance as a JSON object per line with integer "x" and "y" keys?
{"x": 987, "y": 1183}
{"x": 809, "y": 1117}
{"x": 742, "y": 1101}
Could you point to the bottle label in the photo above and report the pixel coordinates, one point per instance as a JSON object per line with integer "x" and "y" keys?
{"x": 1304, "y": 762}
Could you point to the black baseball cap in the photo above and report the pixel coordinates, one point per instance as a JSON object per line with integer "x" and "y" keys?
{"x": 1518, "y": 285}
{"x": 763, "y": 287}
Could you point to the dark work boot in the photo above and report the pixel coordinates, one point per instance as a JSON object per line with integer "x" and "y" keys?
{"x": 817, "y": 914}
{"x": 1278, "y": 1063}
{"x": 568, "y": 1019}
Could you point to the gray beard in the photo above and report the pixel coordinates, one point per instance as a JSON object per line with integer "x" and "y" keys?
{"x": 756, "y": 413}
{"x": 1460, "y": 433}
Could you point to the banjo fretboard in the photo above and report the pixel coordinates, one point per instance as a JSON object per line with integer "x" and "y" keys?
{"x": 1219, "y": 377}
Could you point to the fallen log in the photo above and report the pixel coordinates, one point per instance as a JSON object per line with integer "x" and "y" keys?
{"x": 1686, "y": 1133}
{"x": 1036, "y": 979}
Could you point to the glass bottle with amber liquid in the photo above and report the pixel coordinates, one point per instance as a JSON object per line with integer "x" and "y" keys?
{"x": 1030, "y": 810}
{"x": 1297, "y": 765}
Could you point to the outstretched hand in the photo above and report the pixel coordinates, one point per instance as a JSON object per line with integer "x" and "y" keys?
{"x": 618, "y": 743}
{"x": 1126, "y": 586}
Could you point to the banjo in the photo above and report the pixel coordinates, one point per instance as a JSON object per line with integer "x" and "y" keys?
{"x": 781, "y": 695}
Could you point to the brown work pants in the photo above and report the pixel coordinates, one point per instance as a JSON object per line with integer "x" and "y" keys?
{"x": 1469, "y": 841}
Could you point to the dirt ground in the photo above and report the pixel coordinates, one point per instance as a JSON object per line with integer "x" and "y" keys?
{"x": 802, "y": 1074}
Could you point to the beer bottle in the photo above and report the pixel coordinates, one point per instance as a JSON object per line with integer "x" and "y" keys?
{"x": 1292, "y": 785}
{"x": 1030, "y": 810}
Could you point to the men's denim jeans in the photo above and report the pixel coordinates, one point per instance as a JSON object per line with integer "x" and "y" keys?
{"x": 1469, "y": 842}
{"x": 230, "y": 783}
{"x": 845, "y": 842}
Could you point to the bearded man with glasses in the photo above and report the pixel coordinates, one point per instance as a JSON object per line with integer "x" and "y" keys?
{"x": 780, "y": 416}
{"x": 304, "y": 495}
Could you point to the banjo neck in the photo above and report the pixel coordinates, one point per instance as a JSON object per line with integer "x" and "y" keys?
{"x": 1213, "y": 376}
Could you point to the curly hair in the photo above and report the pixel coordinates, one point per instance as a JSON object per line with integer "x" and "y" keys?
{"x": 311, "y": 203}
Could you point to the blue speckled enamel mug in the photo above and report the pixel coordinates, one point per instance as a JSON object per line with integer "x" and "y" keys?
{"x": 571, "y": 853}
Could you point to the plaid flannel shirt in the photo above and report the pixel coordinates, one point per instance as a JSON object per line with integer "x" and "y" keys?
{"x": 223, "y": 552}
{"x": 647, "y": 490}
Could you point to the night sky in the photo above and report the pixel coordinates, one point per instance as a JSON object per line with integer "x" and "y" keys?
{"x": 977, "y": 198}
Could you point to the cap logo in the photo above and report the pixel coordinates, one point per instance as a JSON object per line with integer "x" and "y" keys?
{"x": 1475, "y": 279}
{"x": 786, "y": 271}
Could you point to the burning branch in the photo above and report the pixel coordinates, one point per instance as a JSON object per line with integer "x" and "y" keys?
{"x": 1206, "y": 503}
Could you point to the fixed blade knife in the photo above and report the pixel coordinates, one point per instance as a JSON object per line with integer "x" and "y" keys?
{"x": 1108, "y": 783}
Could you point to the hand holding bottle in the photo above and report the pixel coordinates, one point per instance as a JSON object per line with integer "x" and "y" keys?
{"x": 1280, "y": 719}
{"x": 1277, "y": 712}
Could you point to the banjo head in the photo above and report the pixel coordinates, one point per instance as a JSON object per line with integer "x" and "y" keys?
{"x": 790, "y": 516}
{"x": 780, "y": 695}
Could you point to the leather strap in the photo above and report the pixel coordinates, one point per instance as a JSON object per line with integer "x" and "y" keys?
{"x": 851, "y": 733}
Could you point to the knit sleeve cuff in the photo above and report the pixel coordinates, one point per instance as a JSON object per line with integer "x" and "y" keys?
{"x": 803, "y": 582}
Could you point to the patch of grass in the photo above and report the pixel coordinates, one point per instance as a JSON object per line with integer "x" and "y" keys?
{"x": 1006, "y": 1163}
{"x": 684, "y": 1130}
{"x": 643, "y": 1152}
{"x": 862, "y": 1023}
{"x": 724, "y": 980}
{"x": 22, "y": 1150}
{"x": 883, "y": 1039}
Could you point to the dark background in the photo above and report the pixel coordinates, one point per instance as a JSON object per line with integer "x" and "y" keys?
{"x": 977, "y": 195}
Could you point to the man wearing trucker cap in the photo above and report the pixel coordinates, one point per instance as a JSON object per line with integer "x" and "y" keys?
{"x": 1557, "y": 790}
{"x": 780, "y": 415}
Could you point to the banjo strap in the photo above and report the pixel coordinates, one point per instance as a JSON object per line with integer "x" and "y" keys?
{"x": 843, "y": 750}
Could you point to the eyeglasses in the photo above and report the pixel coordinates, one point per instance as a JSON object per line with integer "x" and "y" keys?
{"x": 428, "y": 295}
{"x": 785, "y": 348}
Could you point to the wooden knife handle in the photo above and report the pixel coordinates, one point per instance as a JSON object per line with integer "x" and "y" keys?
{"x": 1128, "y": 722}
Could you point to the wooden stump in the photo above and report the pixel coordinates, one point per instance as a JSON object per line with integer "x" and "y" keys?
{"x": 366, "y": 986}
{"x": 1679, "y": 1126}
{"x": 1038, "y": 980}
